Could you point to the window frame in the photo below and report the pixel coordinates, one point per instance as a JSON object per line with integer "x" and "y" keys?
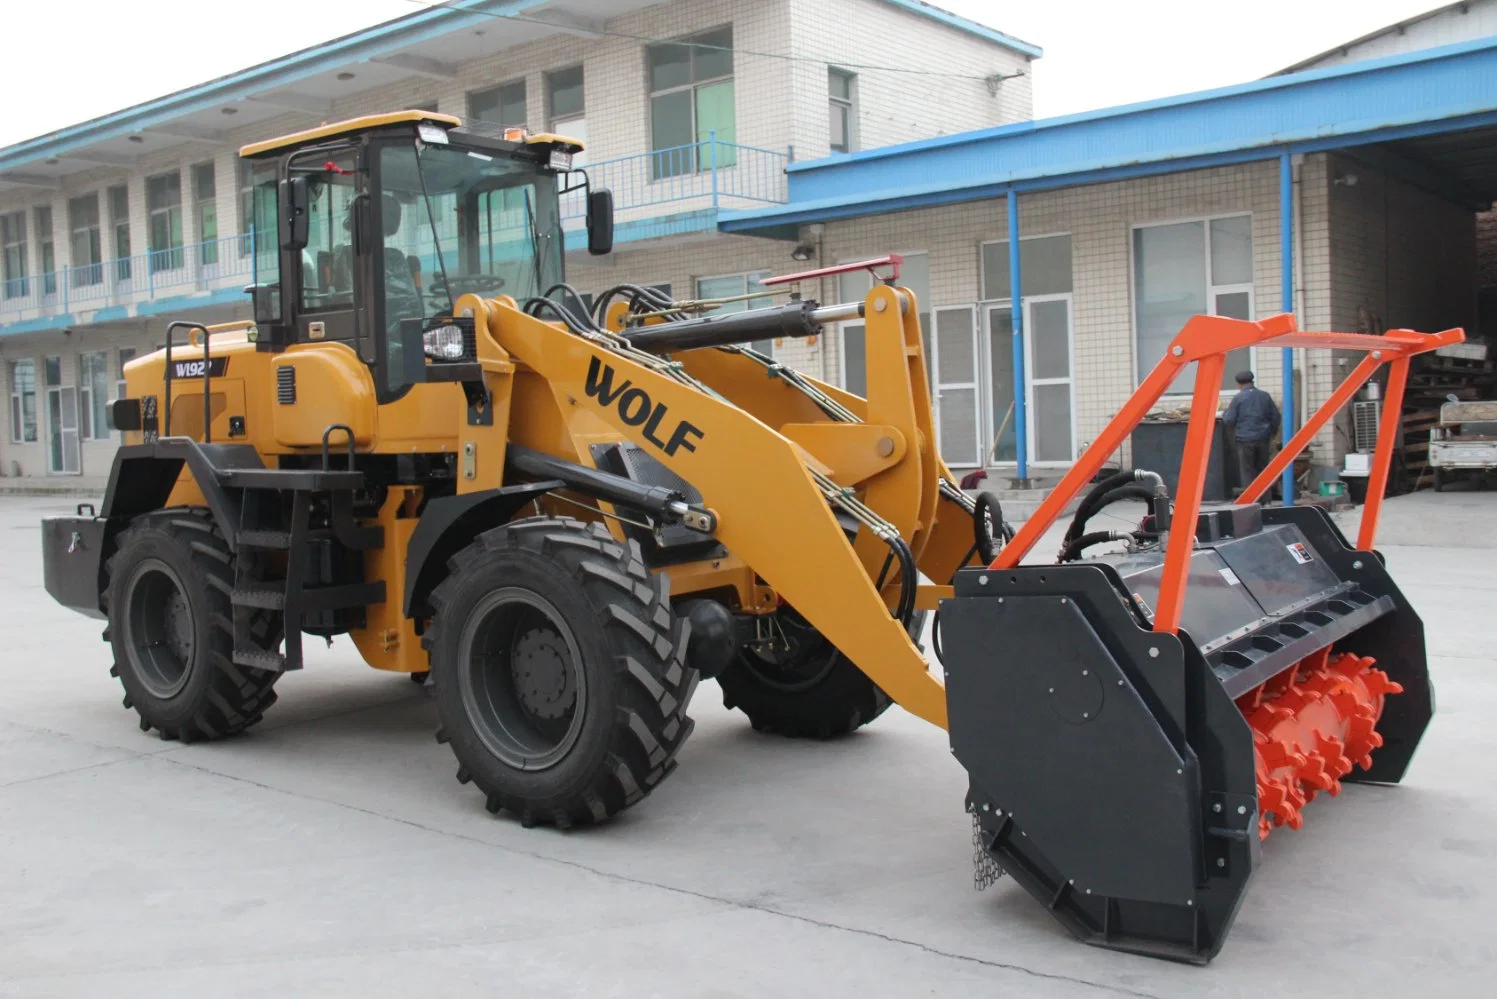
{"x": 747, "y": 303}
{"x": 123, "y": 356}
{"x": 46, "y": 247}
{"x": 1212, "y": 291}
{"x": 202, "y": 207}
{"x": 848, "y": 104}
{"x": 14, "y": 247}
{"x": 724, "y": 158}
{"x": 119, "y": 228}
{"x": 171, "y": 256}
{"x": 497, "y": 89}
{"x": 552, "y": 117}
{"x": 93, "y": 270}
{"x": 89, "y": 408}
{"x": 17, "y": 411}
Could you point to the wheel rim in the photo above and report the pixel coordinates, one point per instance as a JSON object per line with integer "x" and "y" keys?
{"x": 159, "y": 639}
{"x": 520, "y": 675}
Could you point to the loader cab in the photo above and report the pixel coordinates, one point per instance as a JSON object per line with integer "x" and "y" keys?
{"x": 369, "y": 231}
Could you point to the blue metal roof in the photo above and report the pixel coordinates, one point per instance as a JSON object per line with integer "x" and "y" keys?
{"x": 1445, "y": 89}
{"x": 971, "y": 27}
{"x": 382, "y": 38}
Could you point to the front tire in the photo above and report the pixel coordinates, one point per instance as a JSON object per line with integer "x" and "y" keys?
{"x": 171, "y": 629}
{"x": 810, "y": 690}
{"x": 559, "y": 671}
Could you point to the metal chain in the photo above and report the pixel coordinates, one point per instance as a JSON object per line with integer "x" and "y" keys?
{"x": 985, "y": 870}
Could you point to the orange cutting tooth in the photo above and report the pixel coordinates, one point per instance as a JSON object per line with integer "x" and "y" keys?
{"x": 1311, "y": 725}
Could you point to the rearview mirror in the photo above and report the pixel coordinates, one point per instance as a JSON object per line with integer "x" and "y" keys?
{"x": 293, "y": 214}
{"x": 600, "y": 222}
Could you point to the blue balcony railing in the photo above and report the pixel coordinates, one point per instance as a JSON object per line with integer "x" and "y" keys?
{"x": 700, "y": 177}
{"x": 180, "y": 270}
{"x": 708, "y": 174}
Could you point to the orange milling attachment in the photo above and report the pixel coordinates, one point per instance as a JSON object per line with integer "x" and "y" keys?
{"x": 1311, "y": 724}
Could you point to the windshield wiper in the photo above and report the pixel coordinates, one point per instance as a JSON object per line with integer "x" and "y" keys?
{"x": 535, "y": 243}
{"x": 431, "y": 223}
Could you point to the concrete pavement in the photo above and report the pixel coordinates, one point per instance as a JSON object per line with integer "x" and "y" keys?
{"x": 330, "y": 851}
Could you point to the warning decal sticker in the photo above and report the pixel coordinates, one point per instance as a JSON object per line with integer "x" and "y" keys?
{"x": 1301, "y": 553}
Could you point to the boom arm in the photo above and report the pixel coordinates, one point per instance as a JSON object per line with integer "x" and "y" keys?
{"x": 770, "y": 508}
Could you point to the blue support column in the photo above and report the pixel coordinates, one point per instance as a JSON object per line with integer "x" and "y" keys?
{"x": 1021, "y": 406}
{"x": 1286, "y": 277}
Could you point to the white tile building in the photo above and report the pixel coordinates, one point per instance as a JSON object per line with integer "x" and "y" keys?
{"x": 113, "y": 227}
{"x": 1131, "y": 219}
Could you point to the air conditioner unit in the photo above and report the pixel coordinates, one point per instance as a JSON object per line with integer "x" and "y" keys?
{"x": 1364, "y": 426}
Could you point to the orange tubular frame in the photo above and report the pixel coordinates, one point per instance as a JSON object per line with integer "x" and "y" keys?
{"x": 1208, "y": 339}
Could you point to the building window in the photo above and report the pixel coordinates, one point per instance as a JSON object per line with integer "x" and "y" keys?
{"x": 205, "y": 204}
{"x": 45, "y": 252}
{"x": 87, "y": 251}
{"x": 843, "y": 107}
{"x": 23, "y": 402}
{"x": 164, "y": 214}
{"x": 119, "y": 218}
{"x": 503, "y": 105}
{"x": 691, "y": 100}
{"x": 1184, "y": 269}
{"x": 566, "y": 108}
{"x": 127, "y": 354}
{"x": 13, "y": 238}
{"x": 246, "y": 207}
{"x": 736, "y": 286}
{"x": 93, "y": 395}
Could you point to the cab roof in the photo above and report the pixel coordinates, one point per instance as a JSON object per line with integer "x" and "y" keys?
{"x": 360, "y": 124}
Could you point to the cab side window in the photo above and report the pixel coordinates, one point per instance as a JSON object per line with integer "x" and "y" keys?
{"x": 327, "y": 262}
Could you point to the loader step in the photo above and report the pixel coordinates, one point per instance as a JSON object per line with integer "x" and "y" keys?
{"x": 260, "y": 659}
{"x": 271, "y": 597}
{"x": 271, "y": 540}
{"x": 305, "y": 480}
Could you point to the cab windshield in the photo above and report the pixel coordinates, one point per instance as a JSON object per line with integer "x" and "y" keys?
{"x": 456, "y": 221}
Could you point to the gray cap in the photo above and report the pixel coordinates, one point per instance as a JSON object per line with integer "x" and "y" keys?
{"x": 1244, "y": 377}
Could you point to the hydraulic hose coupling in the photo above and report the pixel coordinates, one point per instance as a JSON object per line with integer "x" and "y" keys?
{"x": 1161, "y": 502}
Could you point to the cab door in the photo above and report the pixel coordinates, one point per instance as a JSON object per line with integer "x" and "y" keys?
{"x": 331, "y": 281}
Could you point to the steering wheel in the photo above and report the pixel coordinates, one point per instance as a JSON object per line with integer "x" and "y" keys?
{"x": 462, "y": 284}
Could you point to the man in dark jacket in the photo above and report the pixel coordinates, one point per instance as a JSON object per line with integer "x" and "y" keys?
{"x": 1254, "y": 420}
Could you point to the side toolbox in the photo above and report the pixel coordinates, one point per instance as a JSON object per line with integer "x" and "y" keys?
{"x": 72, "y": 559}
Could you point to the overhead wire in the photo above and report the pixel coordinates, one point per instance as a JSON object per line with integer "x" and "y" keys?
{"x": 783, "y": 56}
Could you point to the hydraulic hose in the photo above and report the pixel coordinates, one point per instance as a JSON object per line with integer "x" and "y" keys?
{"x": 987, "y": 512}
{"x": 1144, "y": 484}
{"x": 1073, "y": 550}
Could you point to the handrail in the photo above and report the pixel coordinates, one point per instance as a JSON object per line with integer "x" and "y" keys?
{"x": 171, "y": 329}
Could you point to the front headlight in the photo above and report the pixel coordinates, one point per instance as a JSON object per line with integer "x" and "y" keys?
{"x": 443, "y": 343}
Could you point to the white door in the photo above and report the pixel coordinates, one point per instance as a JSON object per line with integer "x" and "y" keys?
{"x": 62, "y": 430}
{"x": 1047, "y": 364}
{"x": 998, "y": 369}
{"x": 1049, "y": 396}
{"x": 954, "y": 366}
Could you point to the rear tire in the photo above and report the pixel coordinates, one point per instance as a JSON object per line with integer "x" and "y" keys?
{"x": 559, "y": 671}
{"x": 172, "y": 632}
{"x": 814, "y": 691}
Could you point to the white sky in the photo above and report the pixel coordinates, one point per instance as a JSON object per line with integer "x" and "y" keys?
{"x": 80, "y": 59}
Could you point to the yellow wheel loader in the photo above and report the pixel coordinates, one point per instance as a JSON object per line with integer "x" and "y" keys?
{"x": 567, "y": 510}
